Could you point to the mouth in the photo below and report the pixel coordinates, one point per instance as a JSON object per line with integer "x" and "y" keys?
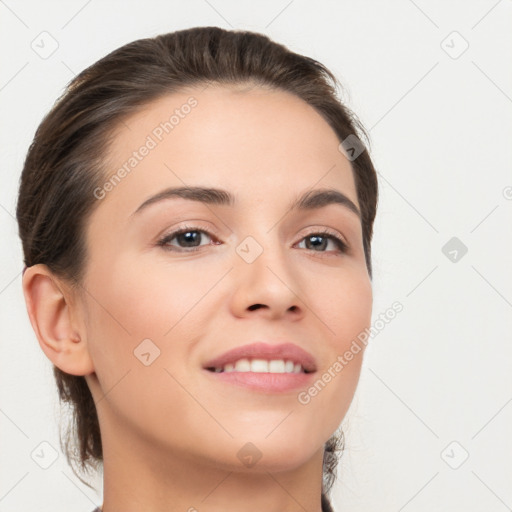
{"x": 244, "y": 365}
{"x": 263, "y": 367}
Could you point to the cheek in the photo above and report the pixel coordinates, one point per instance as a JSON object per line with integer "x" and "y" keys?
{"x": 344, "y": 306}
{"x": 146, "y": 301}
{"x": 341, "y": 306}
{"x": 343, "y": 302}
{"x": 130, "y": 310}
{"x": 131, "y": 303}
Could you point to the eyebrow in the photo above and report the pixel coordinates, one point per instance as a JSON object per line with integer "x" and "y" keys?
{"x": 311, "y": 200}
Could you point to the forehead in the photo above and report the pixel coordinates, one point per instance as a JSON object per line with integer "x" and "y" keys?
{"x": 255, "y": 141}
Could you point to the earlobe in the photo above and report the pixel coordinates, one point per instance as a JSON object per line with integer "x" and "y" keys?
{"x": 53, "y": 317}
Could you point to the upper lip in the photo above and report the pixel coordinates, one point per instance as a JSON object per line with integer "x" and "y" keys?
{"x": 262, "y": 350}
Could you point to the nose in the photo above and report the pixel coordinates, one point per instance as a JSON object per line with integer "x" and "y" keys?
{"x": 267, "y": 287}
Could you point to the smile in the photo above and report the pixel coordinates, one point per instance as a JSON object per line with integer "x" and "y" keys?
{"x": 260, "y": 366}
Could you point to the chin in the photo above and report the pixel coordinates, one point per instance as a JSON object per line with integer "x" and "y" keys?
{"x": 259, "y": 453}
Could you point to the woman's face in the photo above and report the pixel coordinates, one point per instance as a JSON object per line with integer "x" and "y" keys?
{"x": 160, "y": 306}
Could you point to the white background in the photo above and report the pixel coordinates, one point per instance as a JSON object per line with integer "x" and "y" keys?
{"x": 441, "y": 130}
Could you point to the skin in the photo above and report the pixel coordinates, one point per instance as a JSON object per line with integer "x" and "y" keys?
{"x": 170, "y": 433}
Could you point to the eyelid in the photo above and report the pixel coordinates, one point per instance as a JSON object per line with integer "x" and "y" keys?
{"x": 327, "y": 231}
{"x": 190, "y": 225}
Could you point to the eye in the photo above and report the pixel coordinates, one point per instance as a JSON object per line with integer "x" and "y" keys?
{"x": 319, "y": 241}
{"x": 187, "y": 239}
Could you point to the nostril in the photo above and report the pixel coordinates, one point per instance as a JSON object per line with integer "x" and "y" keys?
{"x": 255, "y": 306}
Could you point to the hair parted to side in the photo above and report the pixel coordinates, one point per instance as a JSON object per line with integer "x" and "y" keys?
{"x": 66, "y": 163}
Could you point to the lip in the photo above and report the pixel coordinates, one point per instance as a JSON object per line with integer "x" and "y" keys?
{"x": 265, "y": 382}
{"x": 262, "y": 350}
{"x": 269, "y": 383}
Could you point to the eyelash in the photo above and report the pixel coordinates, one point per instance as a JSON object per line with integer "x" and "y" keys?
{"x": 326, "y": 233}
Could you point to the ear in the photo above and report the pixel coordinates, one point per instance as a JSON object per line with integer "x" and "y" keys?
{"x": 55, "y": 315}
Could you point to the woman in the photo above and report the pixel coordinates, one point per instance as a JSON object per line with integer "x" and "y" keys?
{"x": 196, "y": 213}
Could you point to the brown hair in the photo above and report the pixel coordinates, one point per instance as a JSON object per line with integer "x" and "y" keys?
{"x": 66, "y": 163}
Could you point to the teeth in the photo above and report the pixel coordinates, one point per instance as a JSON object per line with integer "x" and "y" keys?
{"x": 288, "y": 366}
{"x": 243, "y": 365}
{"x": 261, "y": 366}
{"x": 276, "y": 366}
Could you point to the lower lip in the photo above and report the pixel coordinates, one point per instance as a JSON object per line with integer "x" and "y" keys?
{"x": 264, "y": 382}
